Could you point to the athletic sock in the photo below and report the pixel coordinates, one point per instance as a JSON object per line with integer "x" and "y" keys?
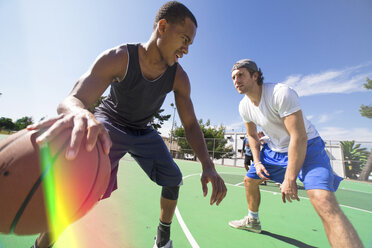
{"x": 253, "y": 214}
{"x": 163, "y": 235}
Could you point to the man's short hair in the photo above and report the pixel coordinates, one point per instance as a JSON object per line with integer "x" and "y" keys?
{"x": 174, "y": 12}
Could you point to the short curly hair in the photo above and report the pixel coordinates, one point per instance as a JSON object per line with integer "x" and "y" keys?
{"x": 174, "y": 12}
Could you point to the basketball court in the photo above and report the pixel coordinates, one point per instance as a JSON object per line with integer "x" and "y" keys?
{"x": 129, "y": 218}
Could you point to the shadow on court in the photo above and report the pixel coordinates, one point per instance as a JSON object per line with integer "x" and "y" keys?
{"x": 288, "y": 240}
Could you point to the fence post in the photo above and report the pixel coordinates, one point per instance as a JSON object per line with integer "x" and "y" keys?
{"x": 235, "y": 149}
{"x": 214, "y": 142}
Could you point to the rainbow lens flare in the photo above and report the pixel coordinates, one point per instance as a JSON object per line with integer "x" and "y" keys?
{"x": 56, "y": 202}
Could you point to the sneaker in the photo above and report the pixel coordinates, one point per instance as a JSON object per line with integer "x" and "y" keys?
{"x": 167, "y": 245}
{"x": 248, "y": 223}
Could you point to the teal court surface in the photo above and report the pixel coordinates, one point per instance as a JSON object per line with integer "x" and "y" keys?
{"x": 129, "y": 218}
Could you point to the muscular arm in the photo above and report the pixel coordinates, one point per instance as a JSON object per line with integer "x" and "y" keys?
{"x": 195, "y": 137}
{"x": 73, "y": 109}
{"x": 297, "y": 146}
{"x": 108, "y": 67}
{"x": 296, "y": 154}
{"x": 254, "y": 144}
{"x": 253, "y": 140}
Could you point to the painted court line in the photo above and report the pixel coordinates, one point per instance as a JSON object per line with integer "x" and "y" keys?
{"x": 238, "y": 184}
{"x": 186, "y": 231}
{"x": 305, "y": 198}
{"x": 353, "y": 190}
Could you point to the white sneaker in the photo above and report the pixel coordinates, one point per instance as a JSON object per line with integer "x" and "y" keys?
{"x": 167, "y": 245}
{"x": 247, "y": 223}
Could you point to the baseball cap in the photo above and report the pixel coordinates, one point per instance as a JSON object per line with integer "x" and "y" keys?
{"x": 246, "y": 63}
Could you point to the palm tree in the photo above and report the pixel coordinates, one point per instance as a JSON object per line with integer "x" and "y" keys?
{"x": 355, "y": 158}
{"x": 366, "y": 111}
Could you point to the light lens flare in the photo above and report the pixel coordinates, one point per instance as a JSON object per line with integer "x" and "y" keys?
{"x": 56, "y": 202}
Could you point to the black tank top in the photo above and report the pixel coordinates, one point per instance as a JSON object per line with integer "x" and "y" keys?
{"x": 135, "y": 100}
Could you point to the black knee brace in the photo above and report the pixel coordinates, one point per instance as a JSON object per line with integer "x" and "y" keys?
{"x": 170, "y": 193}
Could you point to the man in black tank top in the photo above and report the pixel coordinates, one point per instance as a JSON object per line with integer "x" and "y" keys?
{"x": 140, "y": 76}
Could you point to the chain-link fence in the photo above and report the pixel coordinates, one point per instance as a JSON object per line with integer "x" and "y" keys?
{"x": 347, "y": 162}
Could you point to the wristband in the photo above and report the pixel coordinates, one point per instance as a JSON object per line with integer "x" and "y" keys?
{"x": 259, "y": 162}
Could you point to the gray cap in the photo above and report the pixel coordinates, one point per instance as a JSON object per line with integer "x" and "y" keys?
{"x": 246, "y": 63}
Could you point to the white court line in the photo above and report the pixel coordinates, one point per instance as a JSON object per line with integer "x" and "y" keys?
{"x": 302, "y": 197}
{"x": 186, "y": 230}
{"x": 359, "y": 191}
{"x": 238, "y": 184}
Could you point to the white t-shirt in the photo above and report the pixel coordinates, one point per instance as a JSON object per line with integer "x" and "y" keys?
{"x": 277, "y": 101}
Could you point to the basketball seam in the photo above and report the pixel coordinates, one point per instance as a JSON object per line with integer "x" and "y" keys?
{"x": 33, "y": 190}
{"x": 6, "y": 145}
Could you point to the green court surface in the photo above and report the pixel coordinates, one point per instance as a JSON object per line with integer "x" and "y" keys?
{"x": 129, "y": 218}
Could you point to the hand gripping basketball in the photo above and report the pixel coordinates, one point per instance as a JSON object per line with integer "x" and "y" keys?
{"x": 38, "y": 184}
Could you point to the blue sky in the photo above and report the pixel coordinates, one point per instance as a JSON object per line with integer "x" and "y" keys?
{"x": 323, "y": 49}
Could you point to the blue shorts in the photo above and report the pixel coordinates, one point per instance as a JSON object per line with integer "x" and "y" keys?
{"x": 147, "y": 148}
{"x": 316, "y": 172}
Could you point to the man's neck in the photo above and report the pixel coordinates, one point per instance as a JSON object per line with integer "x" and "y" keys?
{"x": 255, "y": 95}
{"x": 151, "y": 62}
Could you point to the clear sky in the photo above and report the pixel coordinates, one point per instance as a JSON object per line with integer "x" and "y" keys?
{"x": 322, "y": 48}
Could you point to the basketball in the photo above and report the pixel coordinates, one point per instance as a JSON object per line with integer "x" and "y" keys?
{"x": 40, "y": 188}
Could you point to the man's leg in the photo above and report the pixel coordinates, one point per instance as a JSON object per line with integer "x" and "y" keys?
{"x": 252, "y": 193}
{"x": 168, "y": 203}
{"x": 253, "y": 196}
{"x": 167, "y": 208}
{"x": 247, "y": 163}
{"x": 153, "y": 156}
{"x": 339, "y": 230}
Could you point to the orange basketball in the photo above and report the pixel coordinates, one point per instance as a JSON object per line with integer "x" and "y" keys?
{"x": 36, "y": 185}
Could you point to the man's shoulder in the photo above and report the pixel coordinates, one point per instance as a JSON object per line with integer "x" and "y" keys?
{"x": 120, "y": 50}
{"x": 113, "y": 61}
{"x": 114, "y": 53}
{"x": 181, "y": 80}
{"x": 274, "y": 90}
{"x": 181, "y": 75}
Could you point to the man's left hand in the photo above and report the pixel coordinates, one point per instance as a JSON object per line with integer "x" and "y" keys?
{"x": 289, "y": 191}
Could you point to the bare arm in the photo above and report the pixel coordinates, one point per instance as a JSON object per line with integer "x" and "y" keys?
{"x": 195, "y": 137}
{"x": 73, "y": 109}
{"x": 296, "y": 154}
{"x": 254, "y": 144}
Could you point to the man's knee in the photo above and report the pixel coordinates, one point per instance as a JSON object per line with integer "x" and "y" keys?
{"x": 170, "y": 193}
{"x": 251, "y": 182}
{"x": 324, "y": 202}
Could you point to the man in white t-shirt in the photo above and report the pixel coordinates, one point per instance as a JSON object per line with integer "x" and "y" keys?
{"x": 294, "y": 149}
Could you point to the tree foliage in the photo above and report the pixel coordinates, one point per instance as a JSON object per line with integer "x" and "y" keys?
{"x": 9, "y": 125}
{"x": 214, "y": 139}
{"x": 355, "y": 158}
{"x": 23, "y": 122}
{"x": 6, "y": 123}
{"x": 366, "y": 110}
{"x": 158, "y": 120}
{"x": 92, "y": 108}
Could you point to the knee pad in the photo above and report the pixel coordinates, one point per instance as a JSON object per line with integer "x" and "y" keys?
{"x": 170, "y": 193}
